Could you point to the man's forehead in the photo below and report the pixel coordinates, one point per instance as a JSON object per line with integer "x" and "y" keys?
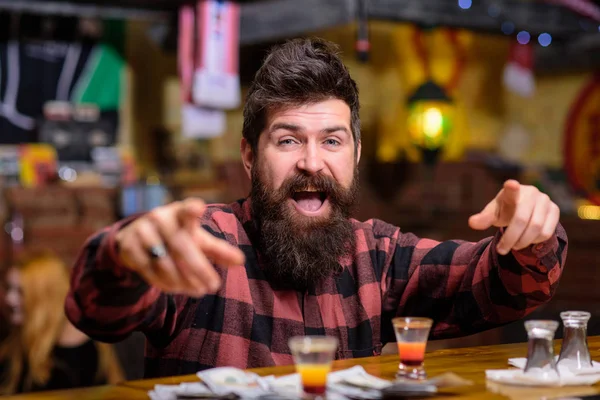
{"x": 327, "y": 110}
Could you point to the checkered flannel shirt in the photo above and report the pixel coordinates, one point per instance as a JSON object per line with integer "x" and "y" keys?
{"x": 465, "y": 287}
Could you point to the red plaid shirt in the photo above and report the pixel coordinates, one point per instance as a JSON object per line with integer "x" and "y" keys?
{"x": 465, "y": 287}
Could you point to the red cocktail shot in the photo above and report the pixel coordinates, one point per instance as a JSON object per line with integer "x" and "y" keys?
{"x": 411, "y": 354}
{"x": 411, "y": 337}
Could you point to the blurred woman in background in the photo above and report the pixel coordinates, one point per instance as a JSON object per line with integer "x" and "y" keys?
{"x": 43, "y": 350}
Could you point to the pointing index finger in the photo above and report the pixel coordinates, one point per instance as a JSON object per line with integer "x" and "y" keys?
{"x": 510, "y": 193}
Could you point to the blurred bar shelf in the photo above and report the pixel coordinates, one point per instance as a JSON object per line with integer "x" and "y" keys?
{"x": 108, "y": 10}
{"x": 264, "y": 20}
{"x": 486, "y": 15}
{"x": 576, "y": 38}
{"x": 261, "y": 20}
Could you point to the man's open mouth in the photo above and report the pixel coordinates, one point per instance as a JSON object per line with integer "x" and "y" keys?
{"x": 309, "y": 200}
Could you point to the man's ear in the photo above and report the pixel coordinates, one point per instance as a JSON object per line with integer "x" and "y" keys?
{"x": 247, "y": 156}
{"x": 358, "y": 149}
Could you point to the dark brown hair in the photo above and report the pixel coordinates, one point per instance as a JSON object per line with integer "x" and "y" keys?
{"x": 298, "y": 72}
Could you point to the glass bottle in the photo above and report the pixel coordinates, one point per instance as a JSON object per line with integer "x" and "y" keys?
{"x": 574, "y": 352}
{"x": 540, "y": 350}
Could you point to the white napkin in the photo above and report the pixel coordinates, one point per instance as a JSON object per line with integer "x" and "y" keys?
{"x": 353, "y": 383}
{"x": 225, "y": 380}
{"x": 568, "y": 376}
{"x": 170, "y": 392}
{"x": 592, "y": 370}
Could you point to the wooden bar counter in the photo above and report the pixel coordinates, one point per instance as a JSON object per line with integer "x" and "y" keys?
{"x": 469, "y": 363}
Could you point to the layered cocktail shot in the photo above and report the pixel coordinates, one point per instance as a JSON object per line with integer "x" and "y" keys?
{"x": 411, "y": 337}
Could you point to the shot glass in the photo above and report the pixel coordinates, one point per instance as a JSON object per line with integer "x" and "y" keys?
{"x": 574, "y": 352}
{"x": 313, "y": 356}
{"x": 540, "y": 350}
{"x": 411, "y": 337}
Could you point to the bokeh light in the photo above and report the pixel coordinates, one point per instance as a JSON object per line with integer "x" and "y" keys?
{"x": 523, "y": 37}
{"x": 465, "y": 4}
{"x": 545, "y": 39}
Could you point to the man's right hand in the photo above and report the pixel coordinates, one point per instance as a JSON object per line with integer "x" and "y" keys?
{"x": 171, "y": 251}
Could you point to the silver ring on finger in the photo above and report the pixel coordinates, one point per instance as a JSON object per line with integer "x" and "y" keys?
{"x": 157, "y": 251}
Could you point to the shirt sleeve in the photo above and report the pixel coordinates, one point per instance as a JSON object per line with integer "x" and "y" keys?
{"x": 468, "y": 287}
{"x": 108, "y": 302}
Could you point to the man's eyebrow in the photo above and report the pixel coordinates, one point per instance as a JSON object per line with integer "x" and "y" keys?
{"x": 285, "y": 125}
{"x": 336, "y": 128}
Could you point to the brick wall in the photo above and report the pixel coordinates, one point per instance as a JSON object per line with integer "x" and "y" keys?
{"x": 56, "y": 218}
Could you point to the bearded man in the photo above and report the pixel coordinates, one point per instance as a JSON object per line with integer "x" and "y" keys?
{"x": 216, "y": 285}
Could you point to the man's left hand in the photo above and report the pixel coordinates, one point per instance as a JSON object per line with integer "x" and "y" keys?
{"x": 528, "y": 215}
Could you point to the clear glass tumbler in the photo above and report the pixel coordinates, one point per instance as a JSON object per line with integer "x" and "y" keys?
{"x": 313, "y": 356}
{"x": 411, "y": 337}
{"x": 574, "y": 352}
{"x": 540, "y": 350}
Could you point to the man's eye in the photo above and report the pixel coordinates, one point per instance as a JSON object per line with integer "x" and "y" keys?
{"x": 286, "y": 141}
{"x": 332, "y": 142}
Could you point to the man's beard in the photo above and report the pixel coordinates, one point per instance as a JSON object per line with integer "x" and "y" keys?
{"x": 301, "y": 250}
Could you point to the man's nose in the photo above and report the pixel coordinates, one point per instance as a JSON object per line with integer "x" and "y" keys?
{"x": 311, "y": 161}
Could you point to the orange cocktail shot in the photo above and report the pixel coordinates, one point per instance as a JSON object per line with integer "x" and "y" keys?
{"x": 411, "y": 337}
{"x": 313, "y": 356}
{"x": 313, "y": 377}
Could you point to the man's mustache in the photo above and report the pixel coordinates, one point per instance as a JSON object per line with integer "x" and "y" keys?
{"x": 318, "y": 182}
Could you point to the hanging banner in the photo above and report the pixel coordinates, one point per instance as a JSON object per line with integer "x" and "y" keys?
{"x": 185, "y": 51}
{"x": 201, "y": 122}
{"x": 518, "y": 74}
{"x": 216, "y": 79}
{"x": 197, "y": 122}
